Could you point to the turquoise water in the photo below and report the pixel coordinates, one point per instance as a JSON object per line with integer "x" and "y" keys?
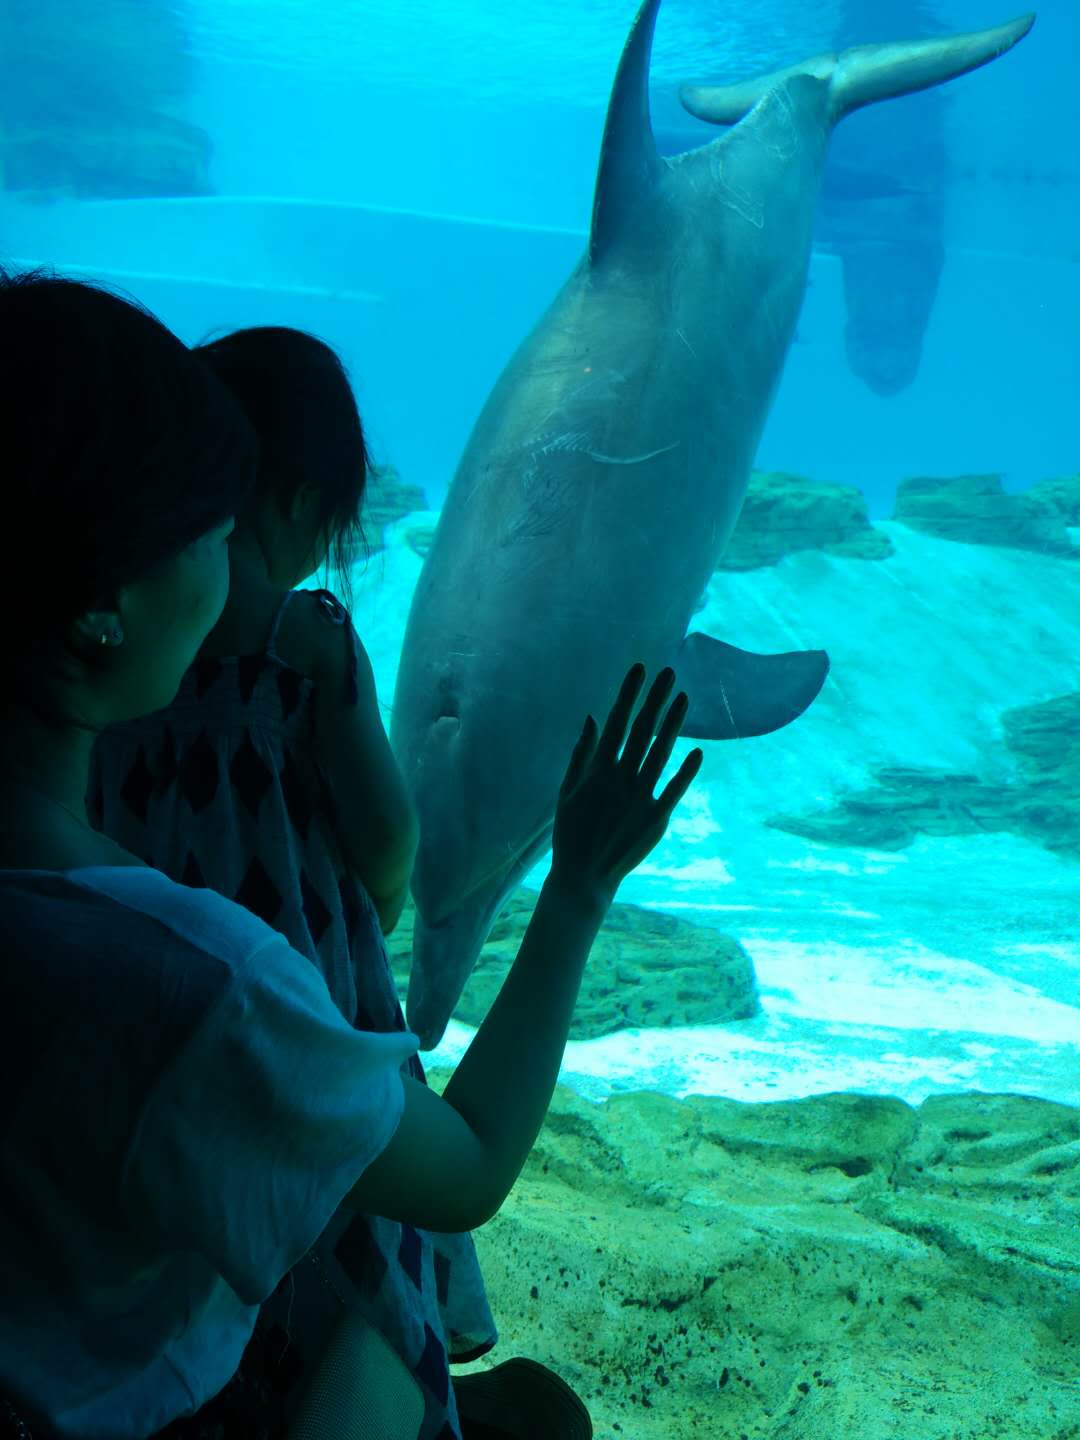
{"x": 413, "y": 184}
{"x": 897, "y": 871}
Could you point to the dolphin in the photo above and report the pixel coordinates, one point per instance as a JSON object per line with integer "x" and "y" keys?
{"x": 604, "y": 476}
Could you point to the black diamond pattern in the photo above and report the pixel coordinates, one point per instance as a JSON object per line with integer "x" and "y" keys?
{"x": 442, "y": 1276}
{"x": 258, "y": 893}
{"x": 364, "y": 1020}
{"x": 200, "y": 774}
{"x": 409, "y": 1253}
{"x": 138, "y": 786}
{"x": 432, "y": 1369}
{"x": 316, "y": 914}
{"x": 191, "y": 874}
{"x": 168, "y": 767}
{"x": 361, "y": 1259}
{"x": 248, "y": 670}
{"x": 297, "y": 795}
{"x": 204, "y": 772}
{"x": 250, "y": 775}
{"x": 289, "y": 683}
{"x": 327, "y": 803}
{"x": 206, "y": 673}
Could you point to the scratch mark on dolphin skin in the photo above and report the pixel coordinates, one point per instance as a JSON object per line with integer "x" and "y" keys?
{"x": 579, "y": 442}
{"x": 576, "y": 441}
{"x": 735, "y": 197}
{"x": 727, "y": 707}
{"x": 686, "y": 342}
{"x": 631, "y": 459}
{"x": 784, "y": 143}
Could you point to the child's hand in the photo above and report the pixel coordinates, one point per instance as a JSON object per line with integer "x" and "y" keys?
{"x": 607, "y": 820}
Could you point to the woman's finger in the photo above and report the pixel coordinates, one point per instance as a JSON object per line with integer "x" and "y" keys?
{"x": 644, "y": 727}
{"x": 614, "y": 730}
{"x": 680, "y": 782}
{"x": 579, "y": 757}
{"x": 662, "y": 746}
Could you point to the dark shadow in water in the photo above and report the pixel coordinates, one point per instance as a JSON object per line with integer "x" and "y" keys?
{"x": 91, "y": 100}
{"x": 886, "y": 220}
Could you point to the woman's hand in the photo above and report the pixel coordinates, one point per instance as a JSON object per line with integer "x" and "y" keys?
{"x": 607, "y": 820}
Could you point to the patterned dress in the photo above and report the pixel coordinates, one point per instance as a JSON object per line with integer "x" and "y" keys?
{"x": 224, "y": 789}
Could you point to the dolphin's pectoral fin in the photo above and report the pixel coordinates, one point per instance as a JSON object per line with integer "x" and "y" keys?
{"x": 734, "y": 694}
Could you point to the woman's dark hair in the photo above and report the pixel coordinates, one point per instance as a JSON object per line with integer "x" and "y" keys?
{"x": 296, "y": 393}
{"x": 120, "y": 448}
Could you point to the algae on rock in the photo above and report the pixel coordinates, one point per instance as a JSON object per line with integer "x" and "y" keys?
{"x": 646, "y": 969}
{"x": 976, "y": 510}
{"x": 839, "y": 1265}
{"x": 782, "y": 514}
{"x": 388, "y": 499}
{"x": 1042, "y": 803}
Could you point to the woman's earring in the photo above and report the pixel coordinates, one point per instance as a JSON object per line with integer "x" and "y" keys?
{"x": 115, "y": 636}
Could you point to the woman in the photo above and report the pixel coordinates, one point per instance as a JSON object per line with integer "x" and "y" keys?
{"x": 186, "y": 1108}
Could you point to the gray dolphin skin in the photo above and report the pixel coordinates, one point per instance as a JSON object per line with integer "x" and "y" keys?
{"x": 604, "y": 476}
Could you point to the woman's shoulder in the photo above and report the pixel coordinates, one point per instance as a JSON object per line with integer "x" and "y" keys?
{"x": 29, "y": 842}
{"x": 199, "y": 917}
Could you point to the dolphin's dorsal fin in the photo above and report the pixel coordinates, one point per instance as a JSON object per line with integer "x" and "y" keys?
{"x": 629, "y": 162}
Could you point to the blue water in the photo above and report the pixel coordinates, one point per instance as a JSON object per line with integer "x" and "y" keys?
{"x": 414, "y": 182}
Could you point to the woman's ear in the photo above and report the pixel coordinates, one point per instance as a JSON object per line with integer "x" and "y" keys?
{"x": 98, "y": 630}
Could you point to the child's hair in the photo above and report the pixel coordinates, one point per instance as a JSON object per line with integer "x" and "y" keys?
{"x": 296, "y": 393}
{"x": 119, "y": 448}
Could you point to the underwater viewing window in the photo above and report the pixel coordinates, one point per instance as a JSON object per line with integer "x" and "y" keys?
{"x": 670, "y": 344}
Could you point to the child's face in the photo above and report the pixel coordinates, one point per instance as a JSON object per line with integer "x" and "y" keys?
{"x": 294, "y": 539}
{"x": 313, "y": 560}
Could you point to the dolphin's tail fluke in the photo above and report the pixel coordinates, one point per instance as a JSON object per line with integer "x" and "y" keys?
{"x": 865, "y": 74}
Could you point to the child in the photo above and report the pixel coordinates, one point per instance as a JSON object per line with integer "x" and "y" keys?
{"x": 270, "y": 780}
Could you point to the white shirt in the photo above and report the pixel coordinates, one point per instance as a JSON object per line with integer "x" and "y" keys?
{"x": 182, "y": 1109}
